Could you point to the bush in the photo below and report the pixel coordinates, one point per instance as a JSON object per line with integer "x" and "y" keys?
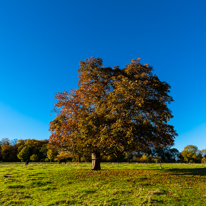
{"x": 144, "y": 158}
{"x": 135, "y": 159}
{"x": 46, "y": 160}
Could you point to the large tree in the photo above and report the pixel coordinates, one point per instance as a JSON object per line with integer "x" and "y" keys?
{"x": 113, "y": 110}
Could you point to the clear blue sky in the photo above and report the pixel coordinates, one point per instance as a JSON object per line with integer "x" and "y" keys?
{"x": 42, "y": 42}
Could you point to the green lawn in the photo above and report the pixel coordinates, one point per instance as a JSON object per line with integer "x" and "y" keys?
{"x": 116, "y": 184}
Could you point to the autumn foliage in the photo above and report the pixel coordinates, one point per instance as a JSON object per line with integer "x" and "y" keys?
{"x": 113, "y": 110}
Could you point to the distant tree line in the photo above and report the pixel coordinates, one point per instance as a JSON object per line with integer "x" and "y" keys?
{"x": 42, "y": 151}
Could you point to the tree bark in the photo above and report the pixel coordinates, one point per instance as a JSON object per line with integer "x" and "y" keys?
{"x": 27, "y": 162}
{"x": 79, "y": 158}
{"x": 96, "y": 161}
{"x": 160, "y": 163}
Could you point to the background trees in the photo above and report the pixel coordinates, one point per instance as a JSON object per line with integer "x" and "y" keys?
{"x": 113, "y": 110}
{"x": 203, "y": 152}
{"x": 190, "y": 153}
{"x": 7, "y": 150}
{"x": 23, "y": 150}
{"x": 19, "y": 151}
{"x": 37, "y": 149}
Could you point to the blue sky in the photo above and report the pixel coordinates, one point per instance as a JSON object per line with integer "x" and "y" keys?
{"x": 42, "y": 42}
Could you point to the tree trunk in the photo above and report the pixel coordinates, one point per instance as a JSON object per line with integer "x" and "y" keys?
{"x": 128, "y": 157}
{"x": 96, "y": 161}
{"x": 79, "y": 158}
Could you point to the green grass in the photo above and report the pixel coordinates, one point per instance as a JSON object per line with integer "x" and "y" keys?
{"x": 116, "y": 184}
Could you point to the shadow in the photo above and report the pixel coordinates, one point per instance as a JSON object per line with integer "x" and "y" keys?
{"x": 158, "y": 202}
{"x": 62, "y": 202}
{"x": 189, "y": 171}
{"x": 87, "y": 191}
{"x": 7, "y": 176}
{"x": 15, "y": 186}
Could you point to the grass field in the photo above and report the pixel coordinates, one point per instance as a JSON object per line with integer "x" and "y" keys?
{"x": 116, "y": 184}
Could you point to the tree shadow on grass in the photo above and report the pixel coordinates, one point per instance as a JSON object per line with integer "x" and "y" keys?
{"x": 157, "y": 202}
{"x": 63, "y": 202}
{"x": 189, "y": 171}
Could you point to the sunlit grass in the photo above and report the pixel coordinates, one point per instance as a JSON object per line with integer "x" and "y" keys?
{"x": 115, "y": 184}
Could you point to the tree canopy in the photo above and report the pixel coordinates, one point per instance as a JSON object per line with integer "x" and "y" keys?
{"x": 113, "y": 110}
{"x": 190, "y": 153}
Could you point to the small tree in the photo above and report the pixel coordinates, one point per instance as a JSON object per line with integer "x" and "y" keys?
{"x": 157, "y": 159}
{"x": 51, "y": 153}
{"x": 144, "y": 158}
{"x": 190, "y": 153}
{"x": 24, "y": 154}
